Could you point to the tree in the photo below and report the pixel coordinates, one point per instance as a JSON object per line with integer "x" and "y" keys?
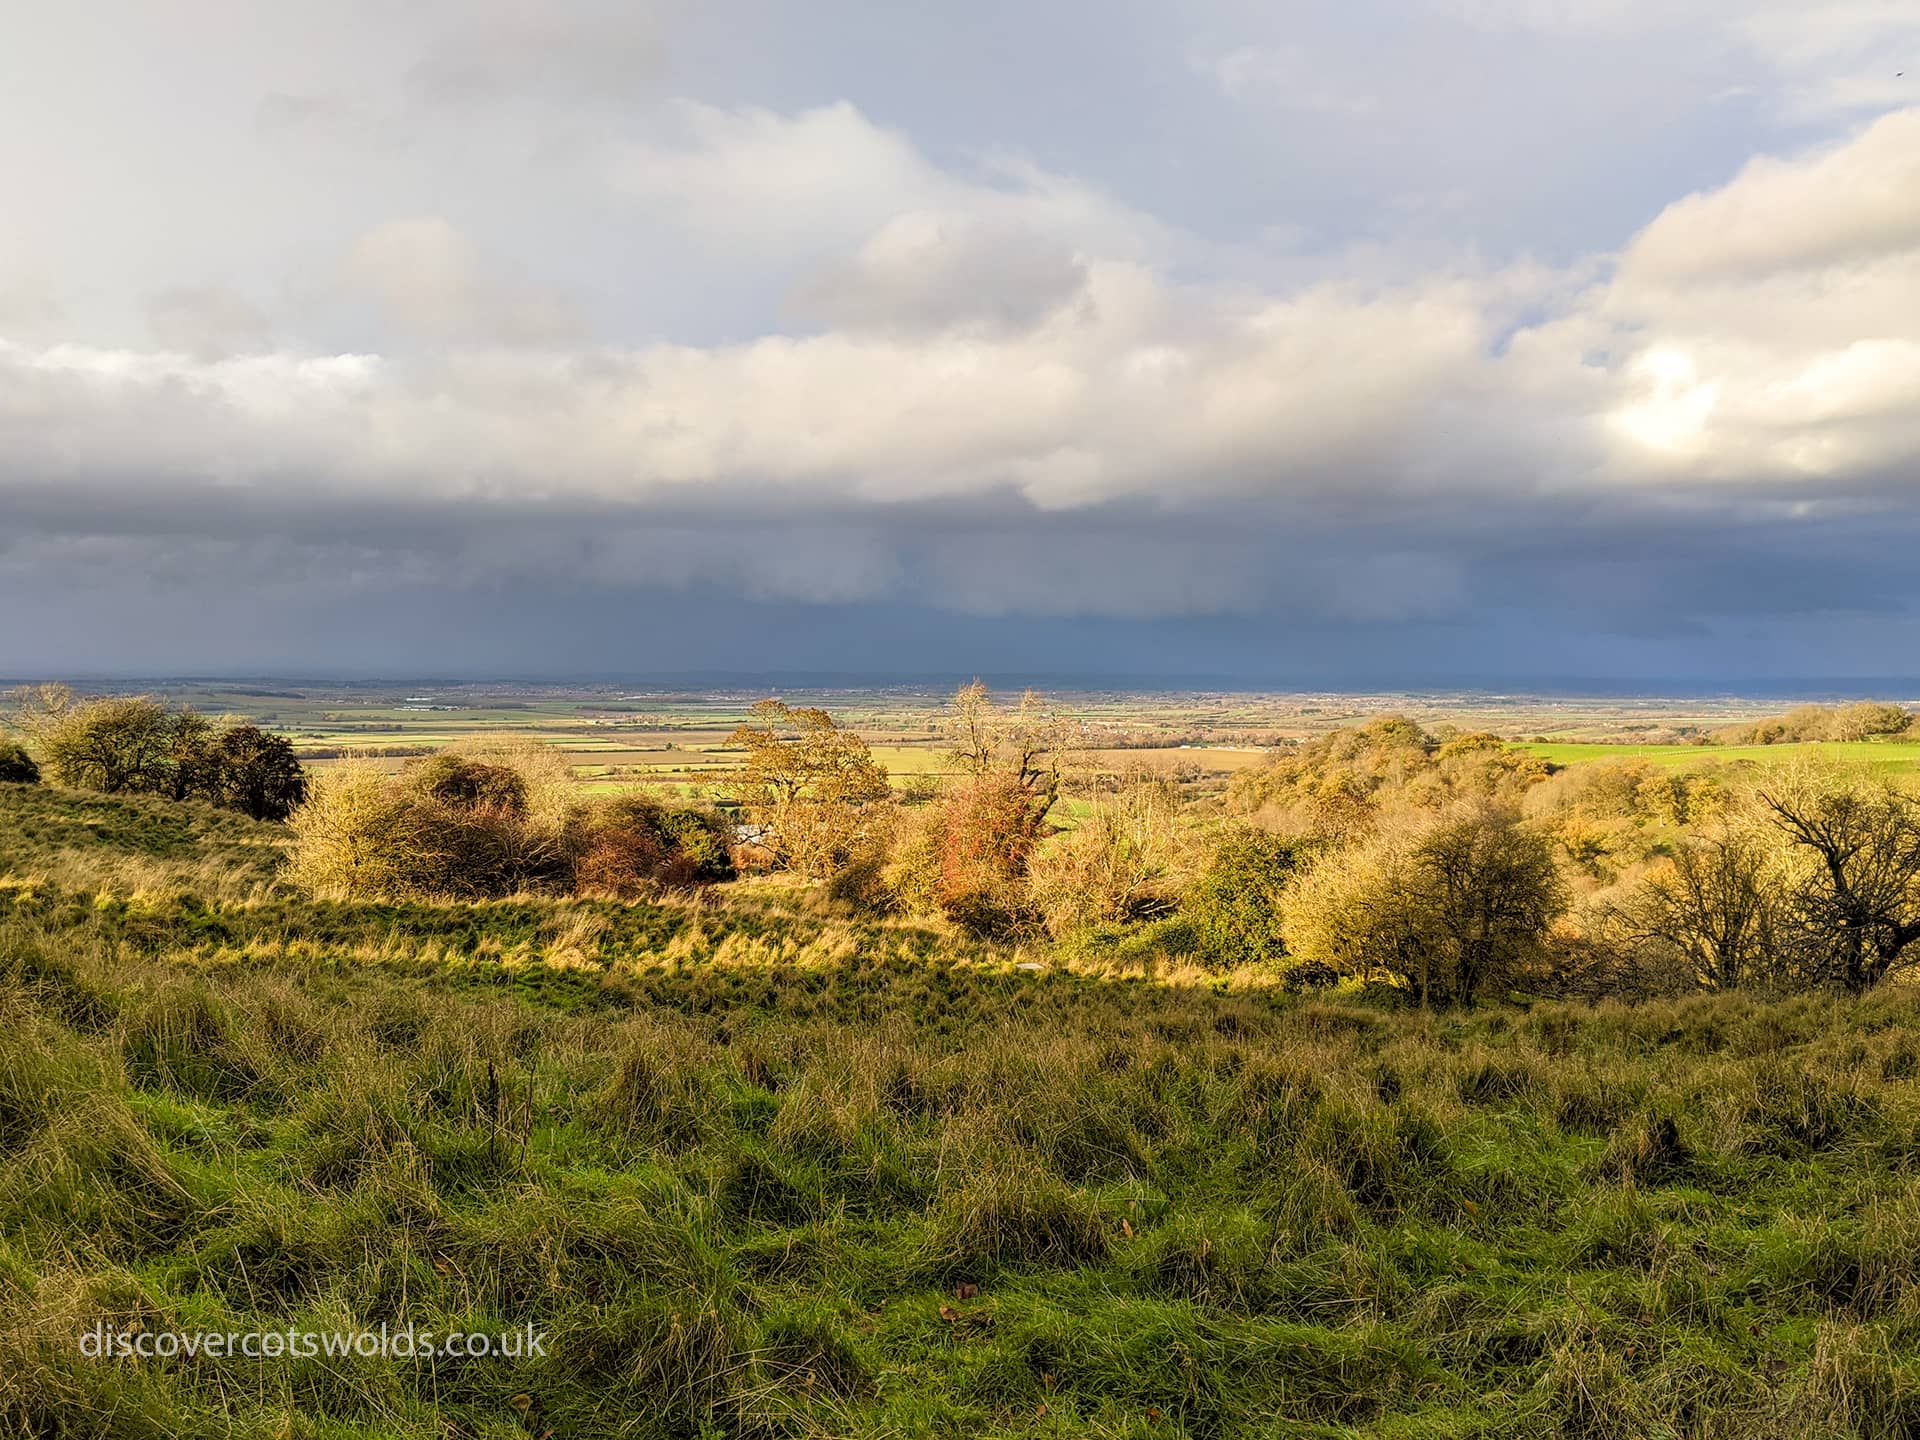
{"x": 256, "y": 771}
{"x": 36, "y": 707}
{"x": 1495, "y": 893}
{"x": 1026, "y": 743}
{"x": 118, "y": 744}
{"x": 1867, "y": 718}
{"x": 1716, "y": 906}
{"x": 189, "y": 768}
{"x": 1857, "y": 897}
{"x": 813, "y": 791}
{"x": 1444, "y": 906}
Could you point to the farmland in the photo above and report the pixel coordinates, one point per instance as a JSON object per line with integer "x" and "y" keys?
{"x": 678, "y": 741}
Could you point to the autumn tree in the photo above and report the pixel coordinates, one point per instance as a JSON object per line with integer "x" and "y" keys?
{"x": 115, "y": 745}
{"x": 1445, "y": 907}
{"x": 813, "y": 791}
{"x": 1027, "y": 743}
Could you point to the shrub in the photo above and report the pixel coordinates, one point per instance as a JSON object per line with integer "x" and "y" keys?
{"x": 459, "y": 824}
{"x": 465, "y": 783}
{"x": 862, "y": 884}
{"x": 631, "y": 843}
{"x": 985, "y": 835}
{"x": 16, "y": 764}
{"x": 355, "y": 837}
{"x": 1234, "y": 907}
{"x": 251, "y": 770}
{"x": 1118, "y": 864}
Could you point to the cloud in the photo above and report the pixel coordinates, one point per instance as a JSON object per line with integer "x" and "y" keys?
{"x": 926, "y": 272}
{"x": 206, "y": 321}
{"x": 1777, "y": 319}
{"x": 424, "y": 273}
{"x": 1855, "y": 203}
{"x": 516, "y": 52}
{"x": 762, "y": 183}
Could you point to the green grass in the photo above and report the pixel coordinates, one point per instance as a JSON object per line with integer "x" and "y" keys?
{"x": 758, "y": 1168}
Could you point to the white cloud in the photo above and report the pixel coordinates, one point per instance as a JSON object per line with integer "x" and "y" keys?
{"x": 1777, "y": 317}
{"x": 1855, "y": 203}
{"x": 425, "y": 274}
{"x": 925, "y": 271}
{"x": 770, "y": 184}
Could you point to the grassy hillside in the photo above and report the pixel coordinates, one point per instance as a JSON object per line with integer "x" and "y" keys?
{"x": 131, "y": 843}
{"x": 758, "y": 1170}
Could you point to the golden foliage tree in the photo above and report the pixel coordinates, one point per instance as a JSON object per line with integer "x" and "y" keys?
{"x": 1445, "y": 906}
{"x": 814, "y": 793}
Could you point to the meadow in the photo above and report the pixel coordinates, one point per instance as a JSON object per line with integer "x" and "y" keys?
{"x": 758, "y": 1166}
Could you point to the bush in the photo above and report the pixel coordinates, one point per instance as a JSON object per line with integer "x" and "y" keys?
{"x": 16, "y": 765}
{"x": 1118, "y": 864}
{"x": 132, "y": 744}
{"x": 251, "y": 770}
{"x": 1446, "y": 907}
{"x": 356, "y": 837}
{"x": 462, "y": 825}
{"x": 631, "y": 844}
{"x": 114, "y": 745}
{"x": 969, "y": 859}
{"x": 1234, "y": 907}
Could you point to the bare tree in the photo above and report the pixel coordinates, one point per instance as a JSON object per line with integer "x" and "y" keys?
{"x": 1858, "y": 900}
{"x": 1028, "y": 742}
{"x": 1717, "y": 906}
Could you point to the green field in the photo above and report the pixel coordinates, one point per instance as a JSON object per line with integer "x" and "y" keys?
{"x": 1890, "y": 755}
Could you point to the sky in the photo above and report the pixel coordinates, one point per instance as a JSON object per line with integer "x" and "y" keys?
{"x": 1349, "y": 343}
